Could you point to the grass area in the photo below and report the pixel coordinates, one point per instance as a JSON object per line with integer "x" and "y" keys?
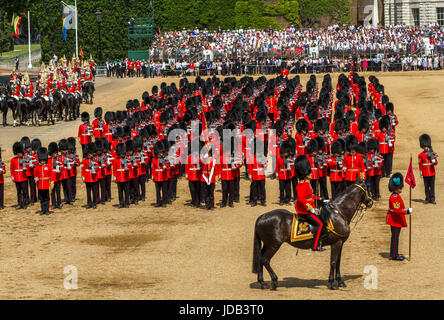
{"x": 19, "y": 50}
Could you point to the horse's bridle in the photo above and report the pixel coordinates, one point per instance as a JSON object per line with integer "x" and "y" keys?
{"x": 367, "y": 198}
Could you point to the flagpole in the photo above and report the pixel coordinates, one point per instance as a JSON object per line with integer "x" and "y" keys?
{"x": 410, "y": 218}
{"x": 77, "y": 43}
{"x": 29, "y": 41}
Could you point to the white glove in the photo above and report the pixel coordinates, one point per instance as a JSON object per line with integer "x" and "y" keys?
{"x": 315, "y": 211}
{"x": 409, "y": 210}
{"x": 434, "y": 161}
{"x": 325, "y": 201}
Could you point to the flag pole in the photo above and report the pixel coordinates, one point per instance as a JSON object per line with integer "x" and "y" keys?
{"x": 29, "y": 41}
{"x": 410, "y": 217}
{"x": 77, "y": 43}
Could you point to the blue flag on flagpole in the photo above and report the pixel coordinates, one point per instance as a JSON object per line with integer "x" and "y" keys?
{"x": 68, "y": 13}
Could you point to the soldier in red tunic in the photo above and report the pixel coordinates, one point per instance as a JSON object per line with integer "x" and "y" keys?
{"x": 159, "y": 171}
{"x": 375, "y": 163}
{"x": 56, "y": 173}
{"x": 428, "y": 160}
{"x": 396, "y": 214}
{"x": 334, "y": 163}
{"x": 29, "y": 162}
{"x": 18, "y": 174}
{"x": 353, "y": 165}
{"x": 257, "y": 176}
{"x": 65, "y": 174}
{"x": 284, "y": 173}
{"x": 305, "y": 204}
{"x": 121, "y": 175}
{"x": 98, "y": 123}
{"x": 85, "y": 131}
{"x": 227, "y": 175}
{"x": 210, "y": 174}
{"x": 42, "y": 174}
{"x": 89, "y": 175}
{"x": 193, "y": 173}
{"x": 74, "y": 159}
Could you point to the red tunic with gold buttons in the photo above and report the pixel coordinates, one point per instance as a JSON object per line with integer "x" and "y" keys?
{"x": 426, "y": 166}
{"x": 283, "y": 169}
{"x": 396, "y": 213}
{"x": 42, "y": 176}
{"x": 18, "y": 172}
{"x": 193, "y": 169}
{"x": 305, "y": 196}
{"x": 353, "y": 166}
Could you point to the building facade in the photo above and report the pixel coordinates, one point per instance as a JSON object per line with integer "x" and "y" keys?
{"x": 361, "y": 11}
{"x": 413, "y": 12}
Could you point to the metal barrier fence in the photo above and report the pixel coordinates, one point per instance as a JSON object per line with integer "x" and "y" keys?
{"x": 101, "y": 71}
{"x": 285, "y": 54}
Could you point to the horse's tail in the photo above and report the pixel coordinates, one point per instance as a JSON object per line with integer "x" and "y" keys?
{"x": 256, "y": 252}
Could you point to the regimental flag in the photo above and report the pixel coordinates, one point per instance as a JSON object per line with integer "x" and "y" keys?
{"x": 69, "y": 18}
{"x": 410, "y": 177}
{"x": 15, "y": 23}
{"x": 81, "y": 52}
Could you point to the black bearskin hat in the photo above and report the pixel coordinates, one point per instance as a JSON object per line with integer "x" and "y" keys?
{"x": 35, "y": 144}
{"x": 90, "y": 148}
{"x": 261, "y": 116}
{"x": 42, "y": 154}
{"x": 137, "y": 142}
{"x": 53, "y": 148}
{"x": 109, "y": 116}
{"x": 373, "y": 144}
{"x": 285, "y": 147}
{"x": 425, "y": 141}
{"x": 99, "y": 144}
{"x": 389, "y": 107}
{"x": 351, "y": 143}
{"x": 63, "y": 145}
{"x": 312, "y": 146}
{"x": 336, "y": 147}
{"x": 98, "y": 112}
{"x": 120, "y": 149}
{"x": 129, "y": 145}
{"x": 363, "y": 124}
{"x": 17, "y": 147}
{"x": 302, "y": 166}
{"x": 362, "y": 148}
{"x": 302, "y": 125}
{"x": 383, "y": 123}
{"x": 71, "y": 143}
{"x": 84, "y": 116}
{"x": 396, "y": 182}
{"x": 321, "y": 143}
{"x": 158, "y": 147}
{"x": 26, "y": 142}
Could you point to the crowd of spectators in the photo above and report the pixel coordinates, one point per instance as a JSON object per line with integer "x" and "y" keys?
{"x": 250, "y": 51}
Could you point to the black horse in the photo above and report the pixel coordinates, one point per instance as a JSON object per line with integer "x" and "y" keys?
{"x": 3, "y": 108}
{"x": 88, "y": 92}
{"x": 274, "y": 228}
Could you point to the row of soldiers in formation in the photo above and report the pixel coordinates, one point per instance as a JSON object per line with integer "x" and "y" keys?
{"x": 132, "y": 145}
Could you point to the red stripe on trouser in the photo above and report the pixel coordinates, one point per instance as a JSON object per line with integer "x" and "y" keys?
{"x": 318, "y": 234}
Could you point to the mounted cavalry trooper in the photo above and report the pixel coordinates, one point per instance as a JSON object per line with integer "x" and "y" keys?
{"x": 28, "y": 88}
{"x": 54, "y": 87}
{"x": 15, "y": 89}
{"x": 305, "y": 204}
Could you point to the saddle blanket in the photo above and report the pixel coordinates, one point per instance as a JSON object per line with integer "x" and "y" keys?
{"x": 301, "y": 230}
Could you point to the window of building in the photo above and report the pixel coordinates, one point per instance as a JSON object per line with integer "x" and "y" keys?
{"x": 440, "y": 16}
{"x": 415, "y": 13}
